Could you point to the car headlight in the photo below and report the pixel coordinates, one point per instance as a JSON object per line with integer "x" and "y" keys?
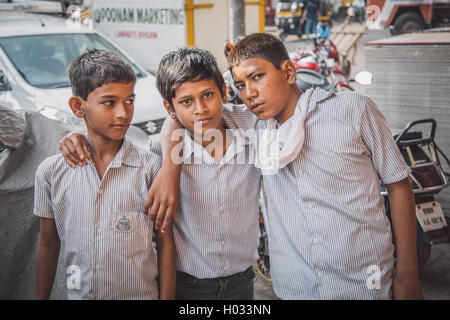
{"x": 290, "y": 20}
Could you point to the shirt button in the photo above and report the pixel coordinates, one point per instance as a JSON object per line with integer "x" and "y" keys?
{"x": 222, "y": 242}
{"x": 299, "y": 172}
{"x": 99, "y": 230}
{"x": 309, "y": 205}
{"x": 100, "y": 191}
{"x": 320, "y": 274}
{"x": 225, "y": 268}
{"x": 221, "y": 209}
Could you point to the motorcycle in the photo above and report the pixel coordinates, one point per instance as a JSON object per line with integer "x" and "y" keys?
{"x": 322, "y": 59}
{"x": 427, "y": 179}
{"x": 308, "y": 78}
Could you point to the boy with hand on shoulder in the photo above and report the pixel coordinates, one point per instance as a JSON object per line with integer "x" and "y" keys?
{"x": 216, "y": 231}
{"x": 94, "y": 211}
{"x": 329, "y": 234}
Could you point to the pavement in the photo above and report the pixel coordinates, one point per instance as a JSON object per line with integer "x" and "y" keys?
{"x": 435, "y": 278}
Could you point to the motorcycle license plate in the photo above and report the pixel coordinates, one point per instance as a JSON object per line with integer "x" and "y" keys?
{"x": 331, "y": 62}
{"x": 430, "y": 216}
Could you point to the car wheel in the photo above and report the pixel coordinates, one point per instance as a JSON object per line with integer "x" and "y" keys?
{"x": 408, "y": 22}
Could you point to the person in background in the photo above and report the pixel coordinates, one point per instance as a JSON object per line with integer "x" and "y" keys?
{"x": 311, "y": 14}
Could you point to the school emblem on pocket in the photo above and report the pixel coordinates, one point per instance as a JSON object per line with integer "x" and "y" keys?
{"x": 123, "y": 225}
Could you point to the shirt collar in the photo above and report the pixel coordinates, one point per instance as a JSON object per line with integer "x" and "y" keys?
{"x": 127, "y": 155}
{"x": 317, "y": 96}
{"x": 193, "y": 148}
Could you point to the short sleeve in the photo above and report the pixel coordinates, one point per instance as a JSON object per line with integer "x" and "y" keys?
{"x": 155, "y": 147}
{"x": 386, "y": 157}
{"x": 239, "y": 117}
{"x": 42, "y": 190}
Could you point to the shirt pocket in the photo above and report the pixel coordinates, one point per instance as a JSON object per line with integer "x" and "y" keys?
{"x": 131, "y": 233}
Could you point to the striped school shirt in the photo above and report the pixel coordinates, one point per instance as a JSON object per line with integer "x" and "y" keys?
{"x": 105, "y": 238}
{"x": 329, "y": 237}
{"x": 217, "y": 229}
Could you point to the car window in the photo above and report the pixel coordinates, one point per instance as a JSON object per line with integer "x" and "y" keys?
{"x": 42, "y": 60}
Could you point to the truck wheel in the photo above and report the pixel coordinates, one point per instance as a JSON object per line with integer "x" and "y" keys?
{"x": 408, "y": 22}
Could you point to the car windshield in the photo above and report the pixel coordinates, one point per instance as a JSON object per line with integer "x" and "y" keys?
{"x": 42, "y": 60}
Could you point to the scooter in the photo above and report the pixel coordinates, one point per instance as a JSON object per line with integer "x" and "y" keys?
{"x": 427, "y": 179}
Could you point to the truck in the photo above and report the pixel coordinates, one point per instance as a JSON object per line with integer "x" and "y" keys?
{"x": 400, "y": 16}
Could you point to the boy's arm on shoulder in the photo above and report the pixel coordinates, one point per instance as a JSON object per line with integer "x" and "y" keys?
{"x": 239, "y": 117}
{"x": 74, "y": 148}
{"x": 164, "y": 193}
{"x": 165, "y": 245}
{"x": 377, "y": 137}
{"x": 46, "y": 258}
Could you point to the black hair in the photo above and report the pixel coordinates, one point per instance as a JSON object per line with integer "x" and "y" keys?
{"x": 95, "y": 68}
{"x": 184, "y": 65}
{"x": 259, "y": 45}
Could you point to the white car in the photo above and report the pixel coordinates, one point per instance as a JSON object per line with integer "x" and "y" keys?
{"x": 35, "y": 51}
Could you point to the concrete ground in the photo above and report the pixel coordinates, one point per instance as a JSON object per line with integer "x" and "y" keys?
{"x": 435, "y": 279}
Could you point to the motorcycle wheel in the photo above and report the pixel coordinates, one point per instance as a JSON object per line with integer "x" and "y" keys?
{"x": 262, "y": 269}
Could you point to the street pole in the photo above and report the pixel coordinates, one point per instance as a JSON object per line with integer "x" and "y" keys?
{"x": 237, "y": 20}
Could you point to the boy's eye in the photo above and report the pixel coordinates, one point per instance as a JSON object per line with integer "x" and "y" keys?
{"x": 130, "y": 101}
{"x": 185, "y": 102}
{"x": 108, "y": 103}
{"x": 208, "y": 94}
{"x": 258, "y": 76}
{"x": 239, "y": 86}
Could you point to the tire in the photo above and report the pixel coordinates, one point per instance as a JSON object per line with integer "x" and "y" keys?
{"x": 408, "y": 22}
{"x": 262, "y": 269}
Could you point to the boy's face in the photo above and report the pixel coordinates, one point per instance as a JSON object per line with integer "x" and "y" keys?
{"x": 263, "y": 88}
{"x": 108, "y": 110}
{"x": 198, "y": 103}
